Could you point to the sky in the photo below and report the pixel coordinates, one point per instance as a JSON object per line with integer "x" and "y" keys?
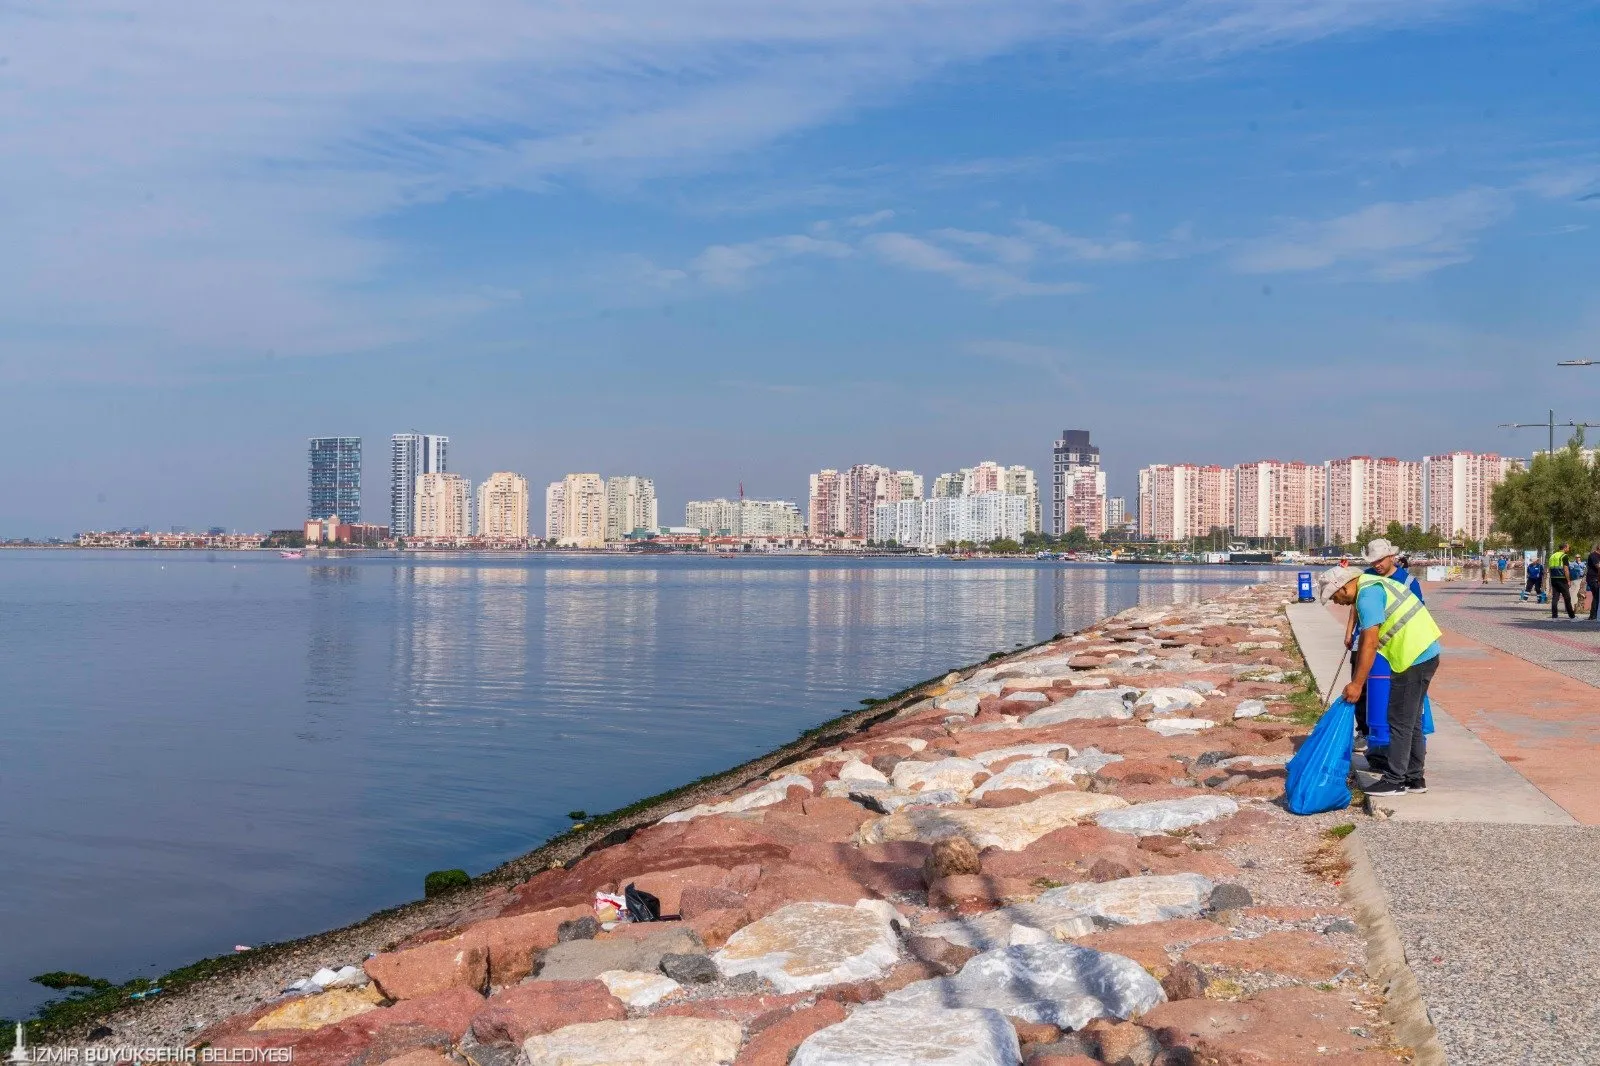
{"x": 715, "y": 242}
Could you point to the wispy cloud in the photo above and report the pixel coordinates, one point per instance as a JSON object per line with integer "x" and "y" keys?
{"x": 206, "y": 177}
{"x": 1392, "y": 241}
{"x": 914, "y": 253}
{"x": 728, "y": 266}
{"x": 1052, "y": 362}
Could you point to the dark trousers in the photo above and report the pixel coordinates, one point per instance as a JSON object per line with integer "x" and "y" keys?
{"x": 1594, "y": 602}
{"x": 1563, "y": 589}
{"x": 1407, "y": 745}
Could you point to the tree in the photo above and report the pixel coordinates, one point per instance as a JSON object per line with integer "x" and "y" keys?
{"x": 1077, "y": 538}
{"x": 1004, "y": 546}
{"x": 1563, "y": 489}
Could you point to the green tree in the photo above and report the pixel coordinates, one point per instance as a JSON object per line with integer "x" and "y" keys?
{"x": 1077, "y": 538}
{"x": 1004, "y": 546}
{"x": 1563, "y": 489}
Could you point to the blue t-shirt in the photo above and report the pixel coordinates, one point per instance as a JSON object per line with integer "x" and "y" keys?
{"x": 1402, "y": 575}
{"x": 1370, "y": 603}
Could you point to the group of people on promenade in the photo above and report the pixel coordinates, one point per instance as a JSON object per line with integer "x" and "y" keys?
{"x": 1564, "y": 569}
{"x": 1389, "y": 634}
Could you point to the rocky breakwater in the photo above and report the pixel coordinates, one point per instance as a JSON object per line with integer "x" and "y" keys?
{"x": 1067, "y": 856}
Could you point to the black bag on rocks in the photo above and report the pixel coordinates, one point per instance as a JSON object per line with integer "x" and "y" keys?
{"x": 642, "y": 906}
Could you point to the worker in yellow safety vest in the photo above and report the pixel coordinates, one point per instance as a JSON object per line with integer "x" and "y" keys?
{"x": 1392, "y": 620}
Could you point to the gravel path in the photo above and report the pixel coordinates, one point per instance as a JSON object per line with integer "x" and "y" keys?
{"x": 1498, "y": 924}
{"x": 1493, "y": 614}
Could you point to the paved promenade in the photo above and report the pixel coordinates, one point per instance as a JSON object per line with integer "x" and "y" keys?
{"x": 1491, "y": 880}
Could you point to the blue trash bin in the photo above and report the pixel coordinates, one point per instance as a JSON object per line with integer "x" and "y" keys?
{"x": 1307, "y": 593}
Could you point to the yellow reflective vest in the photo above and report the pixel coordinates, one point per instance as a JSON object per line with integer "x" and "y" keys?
{"x": 1407, "y": 629}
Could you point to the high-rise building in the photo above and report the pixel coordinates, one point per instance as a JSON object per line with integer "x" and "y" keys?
{"x": 1116, "y": 512}
{"x": 1279, "y": 501}
{"x": 1020, "y": 481}
{"x": 1181, "y": 501}
{"x": 826, "y": 503}
{"x": 1081, "y": 500}
{"x": 745, "y": 518}
{"x": 1368, "y": 493}
{"x": 555, "y": 510}
{"x": 987, "y": 476}
{"x": 335, "y": 479}
{"x": 443, "y": 507}
{"x": 503, "y": 508}
{"x": 410, "y": 456}
{"x": 630, "y": 505}
{"x": 583, "y": 511}
{"x": 980, "y": 518}
{"x": 949, "y": 486}
{"x": 1074, "y": 453}
{"x": 1457, "y": 489}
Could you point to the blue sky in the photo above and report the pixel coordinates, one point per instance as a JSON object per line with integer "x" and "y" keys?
{"x": 715, "y": 241}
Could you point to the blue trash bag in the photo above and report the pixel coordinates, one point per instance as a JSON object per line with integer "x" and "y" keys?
{"x": 1318, "y": 775}
{"x": 1427, "y": 716}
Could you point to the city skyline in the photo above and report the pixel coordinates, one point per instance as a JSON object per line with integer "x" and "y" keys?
{"x": 771, "y": 235}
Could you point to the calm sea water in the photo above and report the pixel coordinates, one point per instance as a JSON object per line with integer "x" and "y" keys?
{"x": 199, "y": 750}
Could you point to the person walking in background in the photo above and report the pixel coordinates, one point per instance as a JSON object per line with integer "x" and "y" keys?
{"x": 1535, "y": 580}
{"x": 1560, "y": 582}
{"x": 1591, "y": 582}
{"x": 1500, "y": 565}
{"x": 1393, "y": 622}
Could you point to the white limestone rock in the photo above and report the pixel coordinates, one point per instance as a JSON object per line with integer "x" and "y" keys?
{"x": 1019, "y": 923}
{"x": 897, "y": 1035}
{"x": 1027, "y": 696}
{"x": 1200, "y": 685}
{"x": 1092, "y": 759}
{"x": 1163, "y": 816}
{"x": 994, "y": 755}
{"x": 957, "y": 703}
{"x": 1106, "y": 703}
{"x": 1136, "y": 900}
{"x": 953, "y": 775}
{"x": 765, "y": 796}
{"x": 1008, "y": 828}
{"x": 812, "y": 945}
{"x": 1163, "y": 700}
{"x": 638, "y": 989}
{"x": 1250, "y": 709}
{"x": 680, "y": 1041}
{"x": 856, "y": 772}
{"x": 1179, "y": 727}
{"x": 1032, "y": 775}
{"x": 1055, "y": 984}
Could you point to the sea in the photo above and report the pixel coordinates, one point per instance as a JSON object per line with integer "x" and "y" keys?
{"x": 202, "y": 750}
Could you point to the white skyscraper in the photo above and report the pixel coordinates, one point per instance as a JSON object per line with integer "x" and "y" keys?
{"x": 410, "y": 456}
{"x": 630, "y": 505}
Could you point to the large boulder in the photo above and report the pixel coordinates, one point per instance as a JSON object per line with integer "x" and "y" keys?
{"x": 1020, "y": 923}
{"x": 1133, "y": 900}
{"x": 512, "y": 943}
{"x": 461, "y": 962}
{"x": 513, "y": 1015}
{"x": 1008, "y": 828}
{"x": 582, "y": 960}
{"x": 945, "y": 775}
{"x": 680, "y": 1041}
{"x": 1098, "y": 703}
{"x": 1055, "y": 984}
{"x": 315, "y": 1011}
{"x": 768, "y": 794}
{"x": 812, "y": 945}
{"x": 901, "y": 1035}
{"x": 1163, "y": 816}
{"x": 1030, "y": 775}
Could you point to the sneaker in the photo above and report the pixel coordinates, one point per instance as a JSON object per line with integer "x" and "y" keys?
{"x": 1419, "y": 785}
{"x": 1384, "y": 788}
{"x": 1361, "y": 744}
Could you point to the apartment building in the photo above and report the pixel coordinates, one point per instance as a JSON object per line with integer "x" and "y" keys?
{"x": 1457, "y": 487}
{"x": 745, "y": 518}
{"x": 503, "y": 507}
{"x": 1180, "y": 501}
{"x": 1075, "y": 464}
{"x": 1364, "y": 492}
{"x": 443, "y": 507}
{"x": 1281, "y": 501}
{"x": 630, "y": 505}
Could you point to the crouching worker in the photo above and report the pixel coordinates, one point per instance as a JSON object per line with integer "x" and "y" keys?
{"x": 1391, "y": 620}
